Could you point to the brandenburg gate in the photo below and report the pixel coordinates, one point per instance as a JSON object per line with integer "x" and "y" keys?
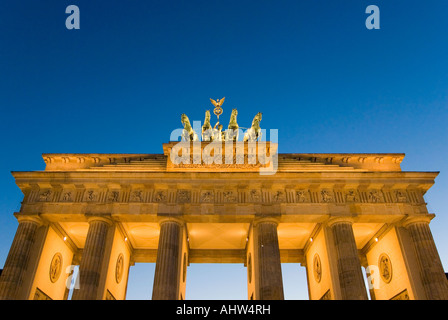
{"x": 333, "y": 214}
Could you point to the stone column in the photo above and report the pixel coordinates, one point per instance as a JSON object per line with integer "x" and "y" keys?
{"x": 270, "y": 282}
{"x": 351, "y": 280}
{"x": 93, "y": 255}
{"x": 17, "y": 262}
{"x": 431, "y": 270}
{"x": 168, "y": 263}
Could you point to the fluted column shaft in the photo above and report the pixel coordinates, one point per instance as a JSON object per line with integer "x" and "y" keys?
{"x": 351, "y": 280}
{"x": 270, "y": 270}
{"x": 18, "y": 258}
{"x": 92, "y": 260}
{"x": 166, "y": 276}
{"x": 431, "y": 270}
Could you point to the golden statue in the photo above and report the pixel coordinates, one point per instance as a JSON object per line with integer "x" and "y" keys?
{"x": 188, "y": 134}
{"x": 207, "y": 130}
{"x": 218, "y": 103}
{"x": 254, "y": 132}
{"x": 218, "y": 110}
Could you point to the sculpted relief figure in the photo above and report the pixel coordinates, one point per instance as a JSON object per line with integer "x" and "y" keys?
{"x": 91, "y": 195}
{"x": 207, "y": 196}
{"x": 160, "y": 196}
{"x": 401, "y": 196}
{"x": 351, "y": 196}
{"x": 45, "y": 196}
{"x": 279, "y": 196}
{"x": 67, "y": 196}
{"x": 183, "y": 196}
{"x": 136, "y": 196}
{"x": 302, "y": 196}
{"x": 374, "y": 196}
{"x": 326, "y": 196}
{"x": 229, "y": 196}
{"x": 255, "y": 195}
{"x": 113, "y": 196}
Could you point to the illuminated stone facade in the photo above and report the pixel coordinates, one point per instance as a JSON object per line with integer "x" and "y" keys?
{"x": 331, "y": 213}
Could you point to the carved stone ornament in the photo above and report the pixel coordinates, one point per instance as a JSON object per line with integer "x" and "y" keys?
{"x": 317, "y": 268}
{"x": 255, "y": 195}
{"x": 207, "y": 196}
{"x": 67, "y": 196}
{"x": 160, "y": 196}
{"x": 136, "y": 196}
{"x": 119, "y": 268}
{"x": 303, "y": 196}
{"x": 351, "y": 196}
{"x": 385, "y": 267}
{"x": 45, "y": 196}
{"x": 113, "y": 196}
{"x": 278, "y": 196}
{"x": 240, "y": 162}
{"x": 183, "y": 196}
{"x": 375, "y": 196}
{"x": 326, "y": 196}
{"x": 401, "y": 196}
{"x": 55, "y": 267}
{"x": 229, "y": 196}
{"x": 91, "y": 195}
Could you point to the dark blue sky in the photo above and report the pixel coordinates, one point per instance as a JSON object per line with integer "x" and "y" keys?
{"x": 120, "y": 83}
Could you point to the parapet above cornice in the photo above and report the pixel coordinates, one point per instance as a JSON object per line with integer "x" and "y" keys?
{"x": 287, "y": 162}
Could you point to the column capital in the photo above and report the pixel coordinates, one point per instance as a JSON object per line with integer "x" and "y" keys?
{"x": 409, "y": 220}
{"x": 100, "y": 217}
{"x": 339, "y": 219}
{"x": 268, "y": 219}
{"x": 29, "y": 218}
{"x": 176, "y": 220}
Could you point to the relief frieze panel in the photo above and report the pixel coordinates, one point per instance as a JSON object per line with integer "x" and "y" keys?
{"x": 91, "y": 196}
{"x": 160, "y": 196}
{"x": 113, "y": 196}
{"x": 351, "y": 196}
{"x": 249, "y": 195}
{"x": 183, "y": 196}
{"x": 207, "y": 196}
{"x": 303, "y": 196}
{"x": 327, "y": 196}
{"x": 45, "y": 195}
{"x": 254, "y": 195}
{"x": 401, "y": 196}
{"x": 136, "y": 196}
{"x": 375, "y": 196}
{"x": 279, "y": 196}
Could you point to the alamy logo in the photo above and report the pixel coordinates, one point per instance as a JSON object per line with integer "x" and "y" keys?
{"x": 73, "y": 20}
{"x": 373, "y": 20}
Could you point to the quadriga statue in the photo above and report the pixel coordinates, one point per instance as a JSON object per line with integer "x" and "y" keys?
{"x": 254, "y": 132}
{"x": 188, "y": 134}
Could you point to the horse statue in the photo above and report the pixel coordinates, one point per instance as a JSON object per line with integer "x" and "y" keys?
{"x": 188, "y": 134}
{"x": 207, "y": 130}
{"x": 254, "y": 132}
{"x": 232, "y": 130}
